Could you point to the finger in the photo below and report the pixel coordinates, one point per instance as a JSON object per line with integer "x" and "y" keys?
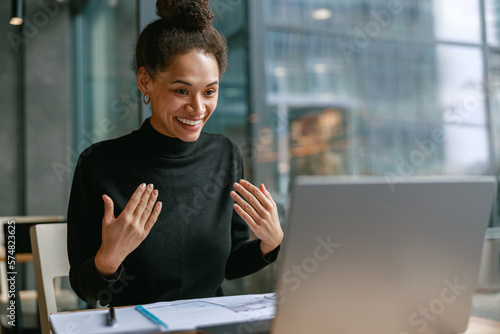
{"x": 251, "y": 199}
{"x": 134, "y": 200}
{"x": 247, "y": 218}
{"x": 143, "y": 202}
{"x": 246, "y": 206}
{"x": 263, "y": 199}
{"x": 253, "y": 194}
{"x": 149, "y": 207}
{"x": 153, "y": 217}
{"x": 264, "y": 190}
{"x": 268, "y": 194}
{"x": 108, "y": 208}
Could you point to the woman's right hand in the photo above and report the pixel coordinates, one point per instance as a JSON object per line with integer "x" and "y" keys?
{"x": 122, "y": 235}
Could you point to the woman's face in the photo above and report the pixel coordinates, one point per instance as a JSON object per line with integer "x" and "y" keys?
{"x": 184, "y": 96}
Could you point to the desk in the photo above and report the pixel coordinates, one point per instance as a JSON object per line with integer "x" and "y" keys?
{"x": 185, "y": 315}
{"x": 476, "y": 326}
{"x": 482, "y": 326}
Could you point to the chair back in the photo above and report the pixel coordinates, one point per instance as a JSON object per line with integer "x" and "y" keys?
{"x": 50, "y": 259}
{"x": 23, "y": 246}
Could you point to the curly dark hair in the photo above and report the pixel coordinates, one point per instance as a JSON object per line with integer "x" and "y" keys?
{"x": 185, "y": 25}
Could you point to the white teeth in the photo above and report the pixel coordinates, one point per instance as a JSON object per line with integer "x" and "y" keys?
{"x": 188, "y": 122}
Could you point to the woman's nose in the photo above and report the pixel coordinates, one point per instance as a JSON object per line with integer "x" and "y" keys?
{"x": 196, "y": 106}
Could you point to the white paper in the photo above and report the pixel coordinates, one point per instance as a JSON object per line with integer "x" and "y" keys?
{"x": 128, "y": 320}
{"x": 178, "y": 315}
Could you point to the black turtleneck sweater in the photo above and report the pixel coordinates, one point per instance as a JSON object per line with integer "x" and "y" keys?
{"x": 198, "y": 239}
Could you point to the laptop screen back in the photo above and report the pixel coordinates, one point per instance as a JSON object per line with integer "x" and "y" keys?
{"x": 365, "y": 256}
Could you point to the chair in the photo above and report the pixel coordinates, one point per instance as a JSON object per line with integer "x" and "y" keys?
{"x": 27, "y": 319}
{"x": 51, "y": 261}
{"x": 23, "y": 245}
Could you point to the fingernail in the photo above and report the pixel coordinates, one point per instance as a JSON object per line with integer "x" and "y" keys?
{"x": 233, "y": 193}
{"x": 155, "y": 193}
{"x": 236, "y": 185}
{"x": 143, "y": 185}
{"x": 159, "y": 205}
{"x": 243, "y": 181}
{"x": 150, "y": 186}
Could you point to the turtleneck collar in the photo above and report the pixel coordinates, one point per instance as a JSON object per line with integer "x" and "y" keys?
{"x": 157, "y": 143}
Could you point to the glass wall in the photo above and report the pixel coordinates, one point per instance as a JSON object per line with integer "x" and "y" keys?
{"x": 492, "y": 18}
{"x": 372, "y": 87}
{"x": 345, "y": 87}
{"x": 106, "y": 94}
{"x": 231, "y": 114}
{"x": 352, "y": 87}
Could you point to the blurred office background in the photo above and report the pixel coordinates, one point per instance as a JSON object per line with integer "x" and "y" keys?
{"x": 347, "y": 87}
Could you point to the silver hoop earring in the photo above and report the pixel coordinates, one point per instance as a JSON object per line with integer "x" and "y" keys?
{"x": 144, "y": 99}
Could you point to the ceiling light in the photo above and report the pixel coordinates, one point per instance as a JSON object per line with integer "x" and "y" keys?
{"x": 321, "y": 14}
{"x": 319, "y": 68}
{"x": 16, "y": 21}
{"x": 280, "y": 71}
{"x": 113, "y": 3}
{"x": 17, "y": 12}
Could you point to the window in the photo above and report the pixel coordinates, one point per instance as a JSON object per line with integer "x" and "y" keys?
{"x": 106, "y": 94}
{"x": 378, "y": 88}
{"x": 231, "y": 115}
{"x": 347, "y": 87}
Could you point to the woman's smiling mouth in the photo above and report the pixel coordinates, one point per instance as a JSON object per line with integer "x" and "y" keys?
{"x": 189, "y": 122}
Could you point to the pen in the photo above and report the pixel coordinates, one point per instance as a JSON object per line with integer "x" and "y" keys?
{"x": 111, "y": 320}
{"x": 154, "y": 319}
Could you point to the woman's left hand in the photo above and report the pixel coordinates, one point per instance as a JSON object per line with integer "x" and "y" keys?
{"x": 260, "y": 212}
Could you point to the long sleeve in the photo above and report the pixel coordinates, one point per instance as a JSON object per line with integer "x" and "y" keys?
{"x": 84, "y": 238}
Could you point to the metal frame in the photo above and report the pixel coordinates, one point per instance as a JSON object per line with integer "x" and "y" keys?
{"x": 21, "y": 149}
{"x": 257, "y": 75}
{"x": 77, "y": 118}
{"x": 146, "y": 14}
{"x": 488, "y": 109}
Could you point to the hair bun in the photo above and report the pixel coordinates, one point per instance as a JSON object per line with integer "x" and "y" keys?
{"x": 187, "y": 14}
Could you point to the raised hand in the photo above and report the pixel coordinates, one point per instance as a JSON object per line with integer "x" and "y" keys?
{"x": 260, "y": 212}
{"x": 122, "y": 235}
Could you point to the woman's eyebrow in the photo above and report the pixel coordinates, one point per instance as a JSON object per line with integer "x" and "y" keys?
{"x": 182, "y": 82}
{"x": 189, "y": 84}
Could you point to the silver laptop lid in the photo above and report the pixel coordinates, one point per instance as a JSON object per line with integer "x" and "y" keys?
{"x": 362, "y": 255}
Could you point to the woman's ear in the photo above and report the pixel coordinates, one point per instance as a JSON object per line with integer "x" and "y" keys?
{"x": 144, "y": 80}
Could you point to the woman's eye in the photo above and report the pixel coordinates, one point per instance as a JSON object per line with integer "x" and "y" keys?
{"x": 182, "y": 91}
{"x": 210, "y": 92}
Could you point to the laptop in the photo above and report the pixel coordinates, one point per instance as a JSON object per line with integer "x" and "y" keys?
{"x": 367, "y": 255}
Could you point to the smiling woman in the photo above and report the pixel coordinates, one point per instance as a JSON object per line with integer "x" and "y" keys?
{"x": 183, "y": 229}
{"x": 184, "y": 97}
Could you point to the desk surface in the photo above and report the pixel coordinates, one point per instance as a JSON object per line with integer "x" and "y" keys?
{"x": 184, "y": 316}
{"x": 476, "y": 326}
{"x": 483, "y": 326}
